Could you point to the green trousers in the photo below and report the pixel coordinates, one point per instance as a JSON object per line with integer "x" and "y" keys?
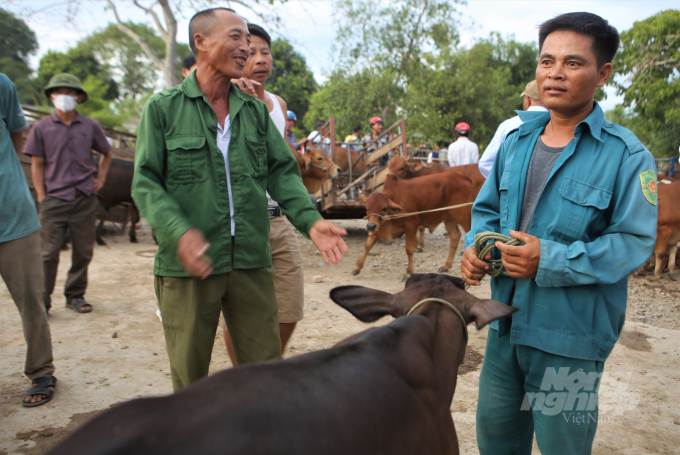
{"x": 523, "y": 390}
{"x": 191, "y": 308}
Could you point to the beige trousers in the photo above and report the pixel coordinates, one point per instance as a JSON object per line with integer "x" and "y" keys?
{"x": 21, "y": 269}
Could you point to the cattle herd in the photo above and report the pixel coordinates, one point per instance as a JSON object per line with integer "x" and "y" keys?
{"x": 386, "y": 390}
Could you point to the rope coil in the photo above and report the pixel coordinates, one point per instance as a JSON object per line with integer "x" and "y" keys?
{"x": 485, "y": 242}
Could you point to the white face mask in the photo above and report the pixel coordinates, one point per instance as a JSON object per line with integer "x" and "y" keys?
{"x": 65, "y": 103}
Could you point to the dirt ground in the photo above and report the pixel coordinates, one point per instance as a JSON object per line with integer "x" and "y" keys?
{"x": 117, "y": 352}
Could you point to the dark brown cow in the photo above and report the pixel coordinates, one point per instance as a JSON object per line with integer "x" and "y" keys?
{"x": 416, "y": 195}
{"x": 385, "y": 391}
{"x": 668, "y": 228}
{"x": 117, "y": 189}
{"x": 315, "y": 168}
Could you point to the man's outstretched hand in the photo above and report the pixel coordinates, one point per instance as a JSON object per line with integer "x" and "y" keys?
{"x": 327, "y": 237}
{"x": 191, "y": 249}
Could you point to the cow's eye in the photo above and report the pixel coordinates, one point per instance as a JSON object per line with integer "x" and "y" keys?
{"x": 318, "y": 158}
{"x": 384, "y": 209}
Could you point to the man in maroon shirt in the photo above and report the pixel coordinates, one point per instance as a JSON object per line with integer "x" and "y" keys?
{"x": 66, "y": 180}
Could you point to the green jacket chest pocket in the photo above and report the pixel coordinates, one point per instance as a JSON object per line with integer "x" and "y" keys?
{"x": 256, "y": 152}
{"x": 580, "y": 203}
{"x": 187, "y": 160}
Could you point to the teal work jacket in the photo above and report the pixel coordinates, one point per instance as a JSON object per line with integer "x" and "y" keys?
{"x": 596, "y": 220}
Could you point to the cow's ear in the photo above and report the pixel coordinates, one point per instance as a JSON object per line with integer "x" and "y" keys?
{"x": 365, "y": 304}
{"x": 487, "y": 310}
{"x": 307, "y": 160}
{"x": 396, "y": 207}
{"x": 363, "y": 197}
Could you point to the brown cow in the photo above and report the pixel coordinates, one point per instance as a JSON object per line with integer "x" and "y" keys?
{"x": 415, "y": 195}
{"x": 315, "y": 168}
{"x": 342, "y": 159}
{"x": 668, "y": 228}
{"x": 384, "y": 391}
{"x": 402, "y": 169}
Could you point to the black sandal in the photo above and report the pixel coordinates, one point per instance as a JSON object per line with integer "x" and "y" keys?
{"x": 77, "y": 305}
{"x": 40, "y": 388}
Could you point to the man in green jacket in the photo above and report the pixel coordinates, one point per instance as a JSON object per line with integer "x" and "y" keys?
{"x": 206, "y": 154}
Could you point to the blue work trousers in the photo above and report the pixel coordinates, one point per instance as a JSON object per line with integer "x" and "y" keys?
{"x": 523, "y": 390}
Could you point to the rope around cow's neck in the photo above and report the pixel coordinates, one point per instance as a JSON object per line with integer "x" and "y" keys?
{"x": 448, "y": 304}
{"x": 404, "y": 215}
{"x": 485, "y": 242}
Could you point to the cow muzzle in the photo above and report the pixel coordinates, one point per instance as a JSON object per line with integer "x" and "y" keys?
{"x": 371, "y": 227}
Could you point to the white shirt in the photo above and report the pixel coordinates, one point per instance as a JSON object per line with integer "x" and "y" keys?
{"x": 489, "y": 155}
{"x": 223, "y": 139}
{"x": 463, "y": 151}
{"x": 280, "y": 122}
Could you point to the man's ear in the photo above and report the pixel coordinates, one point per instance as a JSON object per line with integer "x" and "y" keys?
{"x": 365, "y": 304}
{"x": 199, "y": 41}
{"x": 605, "y": 74}
{"x": 485, "y": 311}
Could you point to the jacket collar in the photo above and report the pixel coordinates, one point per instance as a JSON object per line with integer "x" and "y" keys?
{"x": 593, "y": 123}
{"x": 236, "y": 96}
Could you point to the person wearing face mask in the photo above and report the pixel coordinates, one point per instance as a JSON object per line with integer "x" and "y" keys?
{"x": 66, "y": 181}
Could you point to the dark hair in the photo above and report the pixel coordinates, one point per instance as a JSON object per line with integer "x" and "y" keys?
{"x": 189, "y": 61}
{"x": 357, "y": 129}
{"x": 203, "y": 22}
{"x": 605, "y": 37}
{"x": 318, "y": 124}
{"x": 259, "y": 31}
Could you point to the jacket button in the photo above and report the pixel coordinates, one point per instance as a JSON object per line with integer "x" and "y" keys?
{"x": 223, "y": 183}
{"x": 214, "y": 125}
{"x": 261, "y": 149}
{"x": 608, "y": 125}
{"x": 583, "y": 201}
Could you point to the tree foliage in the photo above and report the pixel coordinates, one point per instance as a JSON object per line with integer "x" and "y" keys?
{"x": 479, "y": 86}
{"x": 17, "y": 44}
{"x": 647, "y": 69}
{"x": 291, "y": 79}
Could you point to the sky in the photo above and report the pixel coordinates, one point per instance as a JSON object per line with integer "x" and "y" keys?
{"x": 311, "y": 26}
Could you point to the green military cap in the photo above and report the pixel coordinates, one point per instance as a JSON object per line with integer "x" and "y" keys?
{"x": 65, "y": 80}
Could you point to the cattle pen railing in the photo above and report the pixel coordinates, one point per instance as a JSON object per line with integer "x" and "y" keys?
{"x": 339, "y": 198}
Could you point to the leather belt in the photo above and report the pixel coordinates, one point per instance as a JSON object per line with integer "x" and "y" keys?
{"x": 274, "y": 212}
{"x": 80, "y": 193}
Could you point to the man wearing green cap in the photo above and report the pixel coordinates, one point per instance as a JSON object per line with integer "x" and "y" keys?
{"x": 66, "y": 180}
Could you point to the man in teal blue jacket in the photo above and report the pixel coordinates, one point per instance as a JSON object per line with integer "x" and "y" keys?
{"x": 580, "y": 193}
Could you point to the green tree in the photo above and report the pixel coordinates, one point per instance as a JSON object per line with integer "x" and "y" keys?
{"x": 353, "y": 99}
{"x": 79, "y": 62}
{"x": 17, "y": 43}
{"x": 291, "y": 79}
{"x": 380, "y": 48}
{"x": 127, "y": 63}
{"x": 479, "y": 86}
{"x": 648, "y": 76}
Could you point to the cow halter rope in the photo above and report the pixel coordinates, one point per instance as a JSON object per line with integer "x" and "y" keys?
{"x": 404, "y": 215}
{"x": 448, "y": 304}
{"x": 485, "y": 242}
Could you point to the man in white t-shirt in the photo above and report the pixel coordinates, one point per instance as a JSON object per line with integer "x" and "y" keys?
{"x": 286, "y": 255}
{"x": 532, "y": 102}
{"x": 463, "y": 151}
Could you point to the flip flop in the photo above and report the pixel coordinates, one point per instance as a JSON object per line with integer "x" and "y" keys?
{"x": 40, "y": 388}
{"x": 77, "y": 305}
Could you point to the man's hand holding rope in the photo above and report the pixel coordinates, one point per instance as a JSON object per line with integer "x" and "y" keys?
{"x": 518, "y": 261}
